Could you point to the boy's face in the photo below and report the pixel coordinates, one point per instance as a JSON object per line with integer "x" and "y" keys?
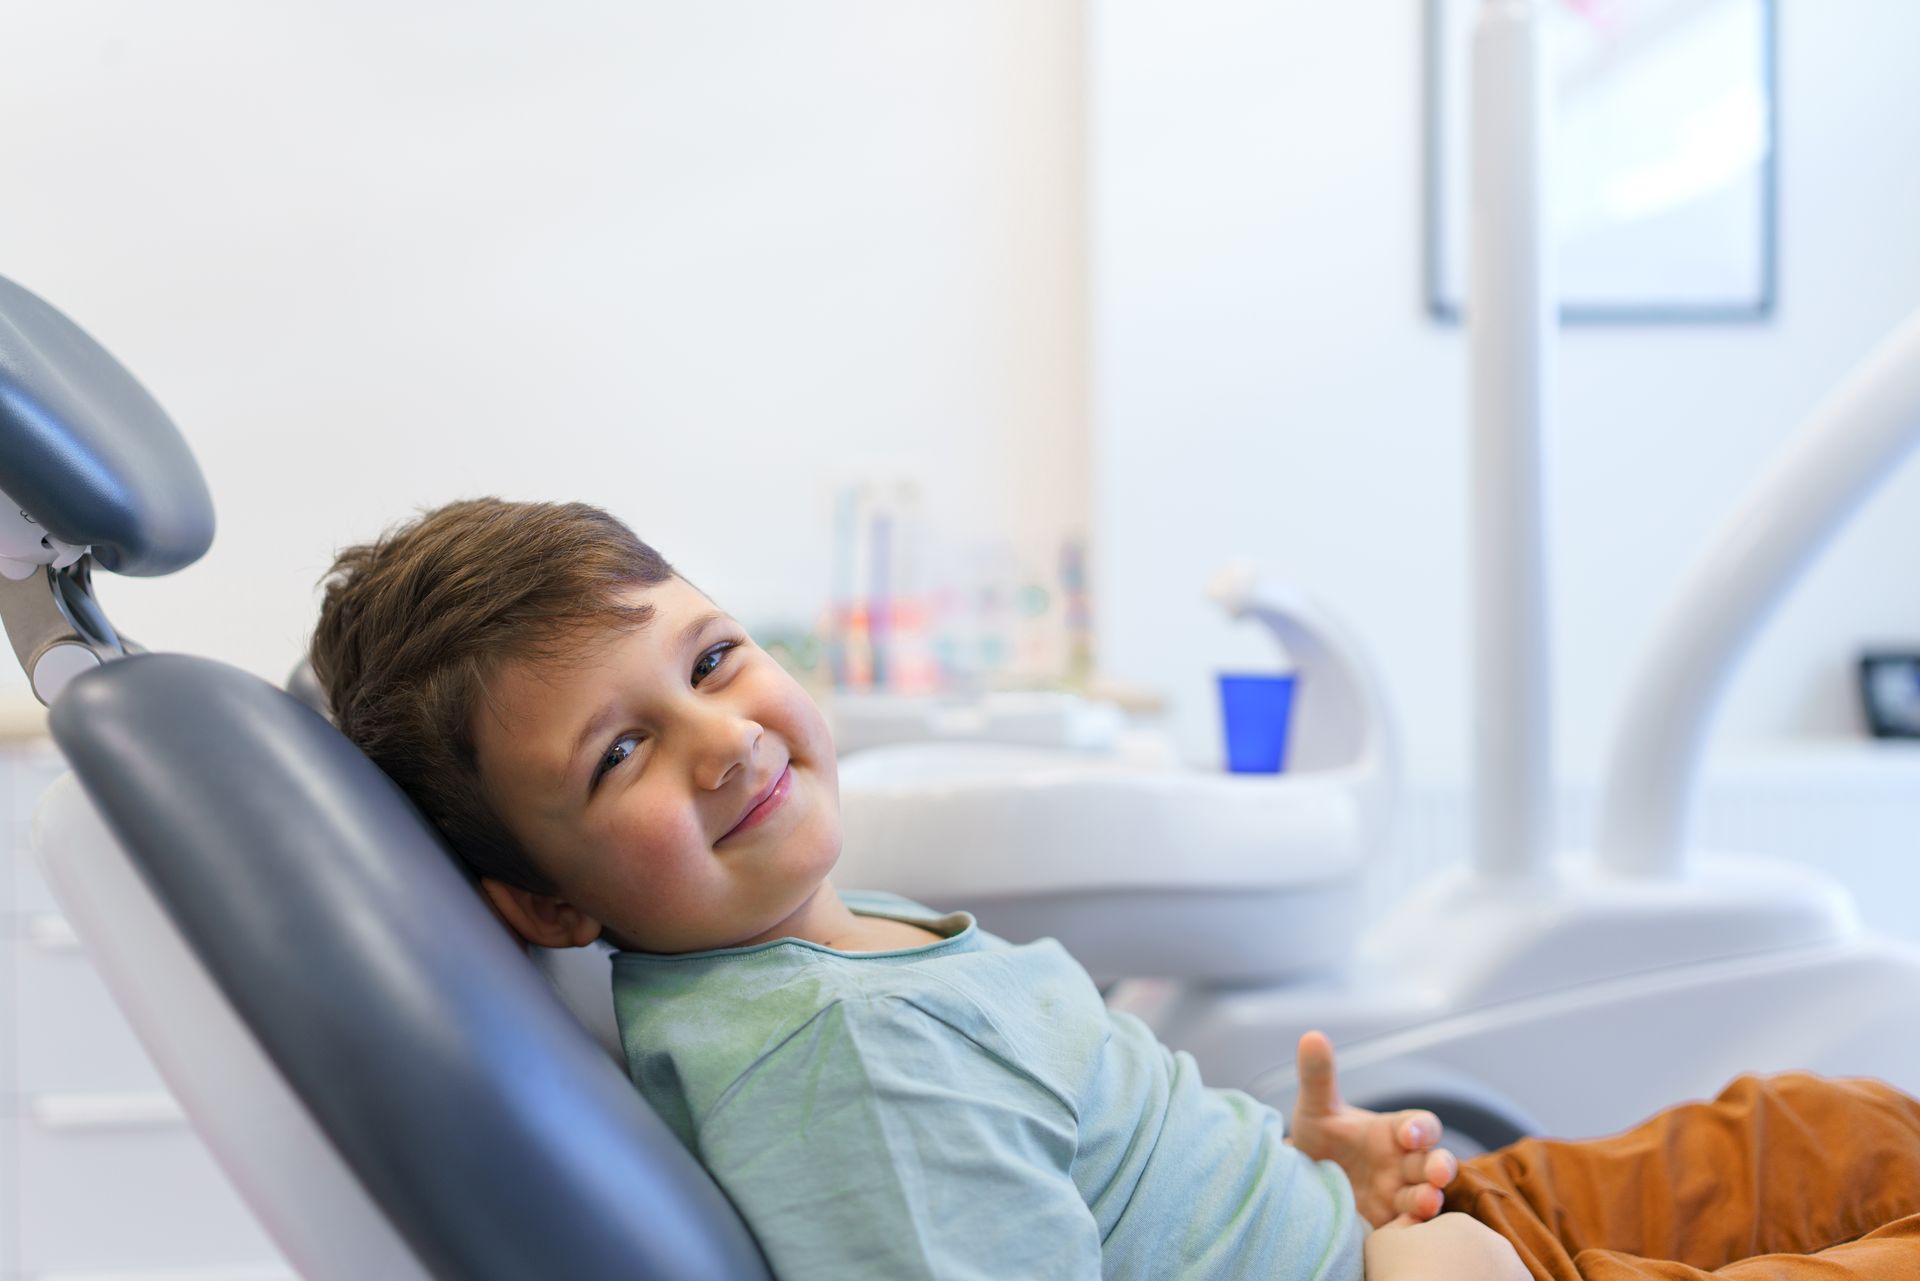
{"x": 675, "y": 785}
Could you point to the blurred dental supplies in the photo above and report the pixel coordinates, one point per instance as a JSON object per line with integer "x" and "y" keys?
{"x": 877, "y": 612}
{"x": 1035, "y": 718}
{"x": 1254, "y": 710}
{"x": 1079, "y": 612}
{"x": 912, "y": 609}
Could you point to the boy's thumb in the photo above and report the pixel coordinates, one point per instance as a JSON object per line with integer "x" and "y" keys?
{"x": 1319, "y": 1094}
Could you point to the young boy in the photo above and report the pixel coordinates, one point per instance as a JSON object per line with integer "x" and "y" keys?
{"x": 888, "y": 1092}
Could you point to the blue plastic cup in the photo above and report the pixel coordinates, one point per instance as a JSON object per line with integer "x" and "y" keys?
{"x": 1255, "y": 710}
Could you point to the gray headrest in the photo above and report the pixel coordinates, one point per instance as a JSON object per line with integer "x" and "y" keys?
{"x": 305, "y": 686}
{"x": 87, "y": 453}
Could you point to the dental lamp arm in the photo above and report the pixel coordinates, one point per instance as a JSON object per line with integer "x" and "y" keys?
{"x": 91, "y": 471}
{"x": 1850, "y": 443}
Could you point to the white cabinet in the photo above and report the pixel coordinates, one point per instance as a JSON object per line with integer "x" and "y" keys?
{"x": 124, "y": 1185}
{"x": 72, "y": 1038}
{"x": 101, "y": 1176}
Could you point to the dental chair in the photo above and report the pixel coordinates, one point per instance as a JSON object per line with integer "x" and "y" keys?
{"x": 393, "y": 1088}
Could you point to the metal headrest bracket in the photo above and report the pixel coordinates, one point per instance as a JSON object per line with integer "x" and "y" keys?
{"x": 47, "y": 604}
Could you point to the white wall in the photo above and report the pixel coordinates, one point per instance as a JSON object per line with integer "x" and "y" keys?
{"x": 702, "y": 263}
{"x": 696, "y": 263}
{"x": 1267, "y": 384}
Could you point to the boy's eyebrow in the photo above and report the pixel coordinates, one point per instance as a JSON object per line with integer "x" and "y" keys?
{"x": 699, "y": 624}
{"x": 602, "y": 718}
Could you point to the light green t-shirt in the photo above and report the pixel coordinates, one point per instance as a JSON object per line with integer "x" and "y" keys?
{"x": 966, "y": 1109}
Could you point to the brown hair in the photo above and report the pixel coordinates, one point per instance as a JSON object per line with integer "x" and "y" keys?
{"x": 414, "y": 623}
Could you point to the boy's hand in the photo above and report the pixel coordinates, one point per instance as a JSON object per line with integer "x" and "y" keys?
{"x": 1452, "y": 1247}
{"x": 1390, "y": 1159}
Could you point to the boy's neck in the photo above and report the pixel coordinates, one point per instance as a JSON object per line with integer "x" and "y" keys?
{"x": 821, "y": 919}
{"x": 825, "y": 919}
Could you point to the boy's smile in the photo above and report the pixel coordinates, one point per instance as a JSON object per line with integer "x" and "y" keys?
{"x": 769, "y": 800}
{"x": 674, "y": 784}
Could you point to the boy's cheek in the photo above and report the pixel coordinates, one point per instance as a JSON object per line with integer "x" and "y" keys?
{"x": 813, "y": 737}
{"x": 649, "y": 832}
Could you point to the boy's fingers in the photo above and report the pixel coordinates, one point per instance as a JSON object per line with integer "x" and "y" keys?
{"x": 1418, "y": 1130}
{"x": 1318, "y": 1090}
{"x": 1436, "y": 1167}
{"x": 1420, "y": 1201}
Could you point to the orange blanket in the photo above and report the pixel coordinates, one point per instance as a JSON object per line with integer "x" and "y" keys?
{"x": 1782, "y": 1178}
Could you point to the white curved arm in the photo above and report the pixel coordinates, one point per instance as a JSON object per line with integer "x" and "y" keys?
{"x": 1842, "y": 453}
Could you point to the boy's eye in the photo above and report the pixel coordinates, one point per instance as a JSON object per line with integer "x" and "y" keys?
{"x": 710, "y": 661}
{"x": 623, "y": 747}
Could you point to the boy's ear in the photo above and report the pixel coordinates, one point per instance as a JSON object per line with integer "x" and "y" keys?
{"x": 540, "y": 919}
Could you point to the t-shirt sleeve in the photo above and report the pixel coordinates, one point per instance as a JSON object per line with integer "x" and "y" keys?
{"x": 878, "y": 1141}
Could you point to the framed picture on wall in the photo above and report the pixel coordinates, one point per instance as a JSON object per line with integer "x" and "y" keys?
{"x": 1890, "y": 693}
{"x": 1660, "y": 160}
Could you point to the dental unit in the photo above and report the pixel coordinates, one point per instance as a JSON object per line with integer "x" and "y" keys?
{"x": 1519, "y": 994}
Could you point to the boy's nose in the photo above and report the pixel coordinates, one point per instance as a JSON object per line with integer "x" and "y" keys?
{"x": 727, "y": 746}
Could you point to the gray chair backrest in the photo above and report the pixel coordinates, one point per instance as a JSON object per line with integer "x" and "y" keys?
{"x": 479, "y": 1115}
{"x": 582, "y": 977}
